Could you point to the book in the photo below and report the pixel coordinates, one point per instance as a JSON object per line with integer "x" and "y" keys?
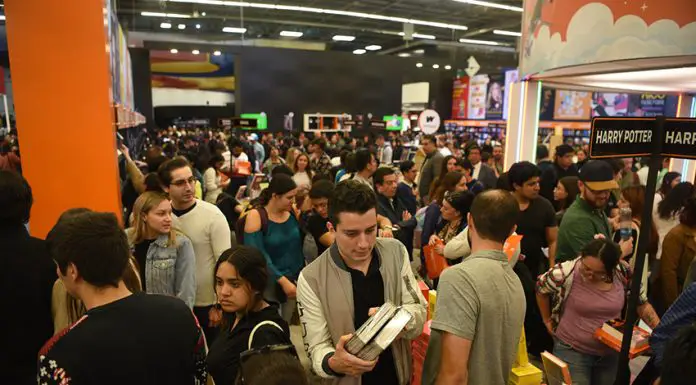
{"x": 611, "y": 334}
{"x": 386, "y": 336}
{"x": 557, "y": 372}
{"x": 370, "y": 328}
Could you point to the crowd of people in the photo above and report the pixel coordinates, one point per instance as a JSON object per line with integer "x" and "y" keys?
{"x": 228, "y": 239}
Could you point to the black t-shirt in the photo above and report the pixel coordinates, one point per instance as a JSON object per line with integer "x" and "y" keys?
{"x": 316, "y": 224}
{"x": 532, "y": 225}
{"x": 223, "y": 358}
{"x": 140, "y": 339}
{"x": 140, "y": 254}
{"x": 368, "y": 292}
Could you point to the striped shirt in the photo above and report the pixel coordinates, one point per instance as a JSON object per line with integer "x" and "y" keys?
{"x": 682, "y": 313}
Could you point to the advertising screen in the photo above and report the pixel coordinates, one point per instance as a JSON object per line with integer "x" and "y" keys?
{"x": 261, "y": 120}
{"x": 608, "y": 104}
{"x": 572, "y": 105}
{"x": 394, "y": 122}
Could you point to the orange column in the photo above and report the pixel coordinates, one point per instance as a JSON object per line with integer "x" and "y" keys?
{"x": 61, "y": 82}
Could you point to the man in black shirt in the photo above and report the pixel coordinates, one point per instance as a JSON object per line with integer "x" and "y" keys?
{"x": 123, "y": 338}
{"x": 563, "y": 166}
{"x": 391, "y": 206}
{"x": 318, "y": 219}
{"x": 407, "y": 189}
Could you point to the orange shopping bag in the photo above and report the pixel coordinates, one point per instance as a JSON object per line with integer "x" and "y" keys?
{"x": 435, "y": 263}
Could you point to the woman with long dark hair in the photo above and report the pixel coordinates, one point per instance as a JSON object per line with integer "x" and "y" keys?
{"x": 564, "y": 194}
{"x": 274, "y": 229}
{"x": 678, "y": 253}
{"x": 449, "y": 164}
{"x": 454, "y": 211}
{"x": 666, "y": 215}
{"x": 248, "y": 320}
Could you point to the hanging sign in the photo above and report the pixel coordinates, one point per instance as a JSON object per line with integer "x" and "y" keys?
{"x": 628, "y": 137}
{"x": 429, "y": 121}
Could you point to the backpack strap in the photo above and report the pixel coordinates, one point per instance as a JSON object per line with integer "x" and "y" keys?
{"x": 264, "y": 323}
{"x": 264, "y": 219}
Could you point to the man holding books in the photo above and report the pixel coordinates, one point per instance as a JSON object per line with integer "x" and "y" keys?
{"x": 480, "y": 303}
{"x": 340, "y": 290}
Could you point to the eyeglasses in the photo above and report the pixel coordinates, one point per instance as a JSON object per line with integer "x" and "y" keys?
{"x": 268, "y": 349}
{"x": 591, "y": 273}
{"x": 183, "y": 182}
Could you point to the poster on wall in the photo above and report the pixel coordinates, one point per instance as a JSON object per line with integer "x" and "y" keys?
{"x": 609, "y": 104}
{"x": 188, "y": 71}
{"x": 460, "y": 97}
{"x": 511, "y": 77}
{"x": 647, "y": 104}
{"x": 478, "y": 86}
{"x": 572, "y": 105}
{"x": 548, "y": 103}
{"x": 495, "y": 97}
{"x": 121, "y": 72}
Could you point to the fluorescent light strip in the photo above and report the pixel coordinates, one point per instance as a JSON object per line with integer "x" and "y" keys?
{"x": 491, "y": 5}
{"x": 234, "y": 30}
{"x": 161, "y": 14}
{"x": 507, "y": 33}
{"x": 373, "y": 47}
{"x": 343, "y": 38}
{"x": 482, "y": 42}
{"x": 419, "y": 36}
{"x": 336, "y": 12}
{"x": 291, "y": 34}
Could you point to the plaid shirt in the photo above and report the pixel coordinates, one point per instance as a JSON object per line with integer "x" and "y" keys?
{"x": 322, "y": 165}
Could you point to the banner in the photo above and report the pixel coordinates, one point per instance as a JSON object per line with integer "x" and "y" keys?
{"x": 609, "y": 104}
{"x": 478, "y": 86}
{"x": 460, "y": 97}
{"x": 511, "y": 77}
{"x": 572, "y": 105}
{"x": 495, "y": 97}
{"x": 647, "y": 105}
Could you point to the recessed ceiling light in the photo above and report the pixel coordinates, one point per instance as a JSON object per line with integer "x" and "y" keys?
{"x": 174, "y": 50}
{"x": 217, "y": 53}
{"x": 291, "y": 34}
{"x": 492, "y": 5}
{"x": 448, "y": 67}
{"x": 419, "y": 51}
{"x": 202, "y": 13}
{"x": 161, "y": 14}
{"x": 507, "y": 33}
{"x": 404, "y": 54}
{"x": 195, "y": 52}
{"x": 295, "y": 8}
{"x": 436, "y": 66}
{"x": 373, "y": 47}
{"x": 166, "y": 25}
{"x": 234, "y": 30}
{"x": 182, "y": 26}
{"x": 419, "y": 65}
{"x": 359, "y": 51}
{"x": 198, "y": 26}
{"x": 483, "y": 42}
{"x": 343, "y": 38}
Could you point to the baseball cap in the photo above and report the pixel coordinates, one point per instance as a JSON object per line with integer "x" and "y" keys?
{"x": 254, "y": 137}
{"x": 598, "y": 175}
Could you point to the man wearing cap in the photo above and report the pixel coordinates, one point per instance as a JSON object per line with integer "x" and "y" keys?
{"x": 562, "y": 166}
{"x": 586, "y": 218}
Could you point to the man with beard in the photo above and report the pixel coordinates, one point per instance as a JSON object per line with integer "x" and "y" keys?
{"x": 498, "y": 160}
{"x": 586, "y": 218}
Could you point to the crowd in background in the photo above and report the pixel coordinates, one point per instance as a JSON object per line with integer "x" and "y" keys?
{"x": 245, "y": 228}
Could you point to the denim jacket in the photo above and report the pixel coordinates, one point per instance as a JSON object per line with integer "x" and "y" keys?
{"x": 170, "y": 270}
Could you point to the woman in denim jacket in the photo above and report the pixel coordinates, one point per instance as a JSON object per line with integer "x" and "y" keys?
{"x": 165, "y": 256}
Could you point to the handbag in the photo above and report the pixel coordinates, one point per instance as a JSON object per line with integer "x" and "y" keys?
{"x": 435, "y": 263}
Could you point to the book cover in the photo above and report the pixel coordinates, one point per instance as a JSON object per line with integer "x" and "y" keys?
{"x": 370, "y": 328}
{"x": 386, "y": 336}
{"x": 611, "y": 334}
{"x": 557, "y": 372}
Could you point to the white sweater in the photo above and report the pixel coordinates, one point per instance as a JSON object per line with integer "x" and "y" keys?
{"x": 209, "y": 232}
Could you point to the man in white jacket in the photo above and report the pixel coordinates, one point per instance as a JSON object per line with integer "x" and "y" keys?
{"x": 339, "y": 291}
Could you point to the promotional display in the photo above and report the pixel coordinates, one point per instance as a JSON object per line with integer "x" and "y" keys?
{"x": 394, "y": 122}
{"x": 647, "y": 105}
{"x": 429, "y": 121}
{"x": 495, "y": 97}
{"x": 185, "y": 70}
{"x": 121, "y": 72}
{"x": 261, "y": 121}
{"x": 605, "y": 104}
{"x": 548, "y": 103}
{"x": 478, "y": 87}
{"x": 460, "y": 97}
{"x": 572, "y": 105}
{"x": 511, "y": 77}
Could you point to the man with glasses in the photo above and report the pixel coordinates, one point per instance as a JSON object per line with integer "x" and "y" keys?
{"x": 208, "y": 230}
{"x": 586, "y": 218}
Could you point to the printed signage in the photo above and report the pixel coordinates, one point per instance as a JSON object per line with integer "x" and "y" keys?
{"x": 625, "y": 137}
{"x": 429, "y": 121}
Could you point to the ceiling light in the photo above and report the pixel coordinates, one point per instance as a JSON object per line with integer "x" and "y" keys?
{"x": 507, "y": 33}
{"x": 295, "y": 8}
{"x": 343, "y": 38}
{"x": 359, "y": 51}
{"x": 436, "y": 66}
{"x": 162, "y": 14}
{"x": 448, "y": 67}
{"x": 217, "y": 53}
{"x": 202, "y": 13}
{"x": 419, "y": 51}
{"x": 166, "y": 25}
{"x": 492, "y": 5}
{"x": 419, "y": 36}
{"x": 291, "y": 34}
{"x": 483, "y": 42}
{"x": 195, "y": 52}
{"x": 2, "y": 17}
{"x": 373, "y": 47}
{"x": 174, "y": 50}
{"x": 198, "y": 26}
{"x": 404, "y": 54}
{"x": 234, "y": 30}
{"x": 182, "y": 26}
{"x": 419, "y": 65}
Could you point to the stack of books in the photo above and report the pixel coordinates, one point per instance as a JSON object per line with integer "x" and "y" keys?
{"x": 378, "y": 332}
{"x": 557, "y": 372}
{"x": 611, "y": 334}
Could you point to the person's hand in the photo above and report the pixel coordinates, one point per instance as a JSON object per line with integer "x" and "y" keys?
{"x": 214, "y": 317}
{"x": 372, "y": 311}
{"x": 549, "y": 327}
{"x": 440, "y": 248}
{"x": 124, "y": 150}
{"x": 387, "y": 233}
{"x": 615, "y": 222}
{"x": 599, "y": 236}
{"x": 346, "y": 363}
{"x": 289, "y": 288}
{"x": 406, "y": 215}
{"x": 626, "y": 247}
{"x": 434, "y": 239}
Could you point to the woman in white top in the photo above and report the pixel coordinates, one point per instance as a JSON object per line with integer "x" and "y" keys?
{"x": 667, "y": 210}
{"x": 303, "y": 177}
{"x": 212, "y": 178}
